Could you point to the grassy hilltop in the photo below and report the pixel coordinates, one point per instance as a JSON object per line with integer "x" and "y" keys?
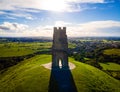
{"x": 30, "y": 76}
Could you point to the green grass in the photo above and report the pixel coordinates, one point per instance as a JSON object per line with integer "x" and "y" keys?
{"x": 86, "y": 59}
{"x": 110, "y": 66}
{"x": 27, "y": 76}
{"x": 10, "y": 49}
{"x": 30, "y": 76}
{"x": 71, "y": 45}
{"x": 24, "y": 48}
{"x": 112, "y": 52}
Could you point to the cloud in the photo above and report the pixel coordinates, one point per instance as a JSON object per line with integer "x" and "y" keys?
{"x": 62, "y": 23}
{"x": 22, "y": 30}
{"x": 13, "y": 27}
{"x": 93, "y": 28}
{"x": 4, "y": 28}
{"x": 14, "y": 9}
{"x": 16, "y": 14}
{"x": 10, "y": 17}
{"x": 95, "y": 25}
{"x": 21, "y": 15}
{"x": 2, "y": 12}
{"x": 86, "y": 1}
{"x": 96, "y": 28}
{"x": 52, "y": 5}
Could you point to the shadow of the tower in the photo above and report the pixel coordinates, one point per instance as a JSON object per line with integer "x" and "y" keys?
{"x": 61, "y": 80}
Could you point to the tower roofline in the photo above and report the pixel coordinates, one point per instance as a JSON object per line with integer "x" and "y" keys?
{"x": 59, "y": 28}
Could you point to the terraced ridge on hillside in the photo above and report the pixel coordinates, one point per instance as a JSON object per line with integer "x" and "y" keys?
{"x": 30, "y": 76}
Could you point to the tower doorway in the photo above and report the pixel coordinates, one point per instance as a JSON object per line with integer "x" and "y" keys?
{"x": 60, "y": 63}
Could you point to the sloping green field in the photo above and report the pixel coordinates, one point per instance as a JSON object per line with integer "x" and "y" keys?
{"x": 112, "y": 52}
{"x": 110, "y": 66}
{"x": 30, "y": 76}
{"x": 11, "y": 49}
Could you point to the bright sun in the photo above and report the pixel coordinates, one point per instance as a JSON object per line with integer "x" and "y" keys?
{"x": 54, "y": 5}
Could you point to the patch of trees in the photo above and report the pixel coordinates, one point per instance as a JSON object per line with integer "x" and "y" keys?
{"x": 25, "y": 39}
{"x": 109, "y": 58}
{"x": 10, "y": 61}
{"x": 92, "y": 52}
{"x": 81, "y": 58}
{"x": 113, "y": 73}
{"x": 6, "y": 62}
{"x": 93, "y": 49}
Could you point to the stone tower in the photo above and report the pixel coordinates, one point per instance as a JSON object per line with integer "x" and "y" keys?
{"x": 60, "y": 48}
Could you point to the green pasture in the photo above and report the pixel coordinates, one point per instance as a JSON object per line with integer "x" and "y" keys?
{"x": 110, "y": 66}
{"x": 30, "y": 76}
{"x": 22, "y": 48}
{"x": 10, "y": 49}
{"x": 112, "y": 52}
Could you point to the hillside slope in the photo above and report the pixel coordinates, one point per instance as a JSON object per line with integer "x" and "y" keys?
{"x": 30, "y": 76}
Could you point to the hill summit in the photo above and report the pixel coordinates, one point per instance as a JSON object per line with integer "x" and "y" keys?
{"x": 30, "y": 76}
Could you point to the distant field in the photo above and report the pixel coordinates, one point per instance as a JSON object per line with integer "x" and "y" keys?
{"x": 110, "y": 66}
{"x": 23, "y": 48}
{"x": 10, "y": 49}
{"x": 71, "y": 45}
{"x": 112, "y": 52}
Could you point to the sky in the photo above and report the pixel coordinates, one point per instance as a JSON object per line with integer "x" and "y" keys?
{"x": 29, "y": 18}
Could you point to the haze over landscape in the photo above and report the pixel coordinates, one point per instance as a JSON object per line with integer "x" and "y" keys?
{"x": 24, "y": 18}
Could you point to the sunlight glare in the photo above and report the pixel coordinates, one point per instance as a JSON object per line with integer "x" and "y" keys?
{"x": 54, "y": 5}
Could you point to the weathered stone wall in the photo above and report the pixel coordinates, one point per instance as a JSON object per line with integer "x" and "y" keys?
{"x": 59, "y": 48}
